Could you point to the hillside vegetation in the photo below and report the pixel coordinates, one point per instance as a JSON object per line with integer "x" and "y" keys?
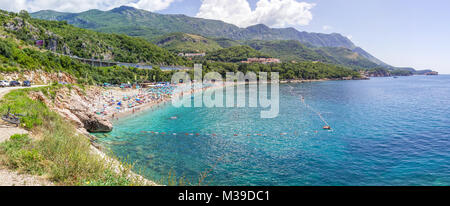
{"x": 60, "y": 153}
{"x": 235, "y": 54}
{"x": 287, "y": 71}
{"x": 226, "y": 43}
{"x": 291, "y": 50}
{"x": 60, "y": 37}
{"x": 137, "y": 22}
{"x": 346, "y": 57}
{"x": 16, "y": 59}
{"x": 186, "y": 43}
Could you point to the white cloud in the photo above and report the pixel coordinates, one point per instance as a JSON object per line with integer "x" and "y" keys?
{"x": 82, "y": 5}
{"x": 327, "y": 27}
{"x": 152, "y": 5}
{"x": 275, "y": 13}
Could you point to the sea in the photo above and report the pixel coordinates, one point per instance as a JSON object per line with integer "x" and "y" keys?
{"x": 384, "y": 132}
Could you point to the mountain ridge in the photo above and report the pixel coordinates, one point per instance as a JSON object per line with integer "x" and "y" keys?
{"x": 148, "y": 25}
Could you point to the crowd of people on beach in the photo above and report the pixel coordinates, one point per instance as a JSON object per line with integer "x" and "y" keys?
{"x": 120, "y": 100}
{"x": 114, "y": 101}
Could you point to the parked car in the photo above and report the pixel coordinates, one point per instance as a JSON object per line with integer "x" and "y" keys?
{"x": 4, "y": 83}
{"x": 125, "y": 86}
{"x": 26, "y": 83}
{"x": 14, "y": 83}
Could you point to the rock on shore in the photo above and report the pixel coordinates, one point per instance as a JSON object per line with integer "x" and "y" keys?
{"x": 75, "y": 105}
{"x": 93, "y": 123}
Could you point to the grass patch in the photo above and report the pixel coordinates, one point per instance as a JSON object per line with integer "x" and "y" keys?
{"x": 20, "y": 103}
{"x": 20, "y": 155}
{"x": 60, "y": 153}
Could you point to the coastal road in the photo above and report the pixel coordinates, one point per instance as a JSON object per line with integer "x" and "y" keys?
{"x": 12, "y": 178}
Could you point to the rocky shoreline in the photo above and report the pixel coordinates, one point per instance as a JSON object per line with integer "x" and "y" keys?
{"x": 75, "y": 105}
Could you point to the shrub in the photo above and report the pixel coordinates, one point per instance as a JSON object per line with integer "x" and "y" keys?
{"x": 61, "y": 153}
{"x": 21, "y": 156}
{"x": 5, "y": 49}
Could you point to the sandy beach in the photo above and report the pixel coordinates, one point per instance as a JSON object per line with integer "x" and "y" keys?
{"x": 149, "y": 99}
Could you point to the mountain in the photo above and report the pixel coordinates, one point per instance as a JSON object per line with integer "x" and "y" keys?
{"x": 346, "y": 57}
{"x": 368, "y": 56}
{"x": 182, "y": 42}
{"x": 291, "y": 50}
{"x": 137, "y": 22}
{"x": 263, "y": 32}
{"x": 142, "y": 23}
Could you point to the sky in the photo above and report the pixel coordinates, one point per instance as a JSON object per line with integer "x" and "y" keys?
{"x": 403, "y": 33}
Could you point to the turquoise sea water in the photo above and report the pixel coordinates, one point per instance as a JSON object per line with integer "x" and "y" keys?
{"x": 386, "y": 131}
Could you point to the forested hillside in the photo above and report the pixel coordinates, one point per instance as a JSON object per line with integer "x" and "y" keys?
{"x": 19, "y": 51}
{"x": 291, "y": 50}
{"x": 235, "y": 54}
{"x": 182, "y": 43}
{"x": 60, "y": 37}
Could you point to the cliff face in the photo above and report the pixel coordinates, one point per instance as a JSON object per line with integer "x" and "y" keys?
{"x": 75, "y": 105}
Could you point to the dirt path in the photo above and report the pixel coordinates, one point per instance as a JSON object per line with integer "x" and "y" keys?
{"x": 8, "y": 177}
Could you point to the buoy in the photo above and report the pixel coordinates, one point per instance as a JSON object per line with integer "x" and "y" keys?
{"x": 235, "y": 135}
{"x": 197, "y": 134}
{"x": 214, "y": 135}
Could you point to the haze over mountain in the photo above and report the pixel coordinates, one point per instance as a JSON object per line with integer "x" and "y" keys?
{"x": 149, "y": 25}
